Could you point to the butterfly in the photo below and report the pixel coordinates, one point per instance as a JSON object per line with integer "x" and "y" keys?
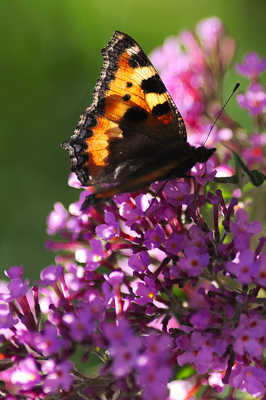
{"x": 132, "y": 134}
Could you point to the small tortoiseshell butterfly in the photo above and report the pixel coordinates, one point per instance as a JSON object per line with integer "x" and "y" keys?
{"x": 132, "y": 134}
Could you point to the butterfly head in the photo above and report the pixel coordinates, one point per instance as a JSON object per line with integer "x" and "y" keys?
{"x": 202, "y": 154}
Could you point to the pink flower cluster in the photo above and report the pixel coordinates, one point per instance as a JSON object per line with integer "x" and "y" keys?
{"x": 166, "y": 288}
{"x": 193, "y": 67}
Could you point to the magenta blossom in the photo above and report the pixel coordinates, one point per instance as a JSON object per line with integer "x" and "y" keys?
{"x": 254, "y": 100}
{"x": 199, "y": 353}
{"x": 204, "y": 173}
{"x": 252, "y": 65}
{"x": 57, "y": 219}
{"x": 22, "y": 376}
{"x": 193, "y": 262}
{"x": 210, "y": 31}
{"x": 244, "y": 267}
{"x": 57, "y": 375}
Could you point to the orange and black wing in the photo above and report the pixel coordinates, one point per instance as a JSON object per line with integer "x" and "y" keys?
{"x": 126, "y": 133}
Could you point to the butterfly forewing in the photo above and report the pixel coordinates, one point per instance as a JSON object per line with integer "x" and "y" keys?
{"x": 132, "y": 133}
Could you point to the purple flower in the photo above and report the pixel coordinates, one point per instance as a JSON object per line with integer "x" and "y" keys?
{"x": 255, "y": 324}
{"x": 146, "y": 291}
{"x": 224, "y": 170}
{"x": 80, "y": 324}
{"x": 154, "y": 381}
{"x": 58, "y": 375}
{"x": 125, "y": 355}
{"x": 254, "y": 155}
{"x": 75, "y": 283}
{"x": 178, "y": 193}
{"x": 199, "y": 353}
{"x": 165, "y": 56}
{"x": 51, "y": 274}
{"x": 118, "y": 334}
{"x": 6, "y": 318}
{"x": 250, "y": 336}
{"x": 154, "y": 344}
{"x": 210, "y": 30}
{"x": 259, "y": 271}
{"x": 91, "y": 257}
{"x": 73, "y": 181}
{"x": 110, "y": 229}
{"x": 258, "y": 139}
{"x": 175, "y": 243}
{"x": 132, "y": 212}
{"x": 56, "y": 221}
{"x": 243, "y": 230}
{"x": 17, "y": 288}
{"x": 193, "y": 262}
{"x": 250, "y": 379}
{"x": 14, "y": 272}
{"x": 244, "y": 267}
{"x": 252, "y": 65}
{"x": 154, "y": 237}
{"x": 111, "y": 289}
{"x": 153, "y": 369}
{"x": 115, "y": 278}
{"x": 224, "y": 134}
{"x": 197, "y": 238}
{"x": 192, "y": 47}
{"x": 139, "y": 261}
{"x": 254, "y": 100}
{"x": 24, "y": 375}
{"x": 201, "y": 319}
{"x": 185, "y": 89}
{"x": 204, "y": 173}
{"x": 124, "y": 347}
{"x": 48, "y": 341}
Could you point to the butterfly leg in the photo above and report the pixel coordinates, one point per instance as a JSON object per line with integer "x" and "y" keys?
{"x": 90, "y": 200}
{"x": 159, "y": 191}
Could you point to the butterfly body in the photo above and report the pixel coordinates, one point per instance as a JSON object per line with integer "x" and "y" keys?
{"x": 132, "y": 134}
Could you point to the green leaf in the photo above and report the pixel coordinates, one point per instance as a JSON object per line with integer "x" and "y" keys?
{"x": 179, "y": 293}
{"x": 185, "y": 372}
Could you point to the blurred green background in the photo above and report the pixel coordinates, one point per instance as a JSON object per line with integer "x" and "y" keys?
{"x": 50, "y": 59}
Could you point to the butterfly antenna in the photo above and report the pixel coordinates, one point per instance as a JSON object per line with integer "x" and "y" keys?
{"x": 222, "y": 109}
